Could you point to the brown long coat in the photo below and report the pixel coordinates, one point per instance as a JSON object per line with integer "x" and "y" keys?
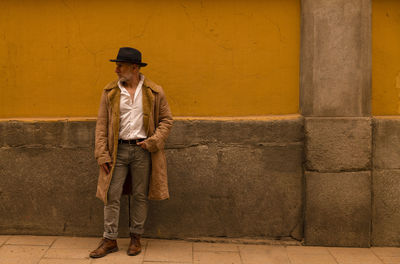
{"x": 157, "y": 121}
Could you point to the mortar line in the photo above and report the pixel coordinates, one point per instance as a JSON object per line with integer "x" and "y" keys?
{"x": 45, "y": 252}
{"x": 287, "y": 255}
{"x": 145, "y": 250}
{"x": 240, "y": 255}
{"x": 290, "y": 262}
{"x": 371, "y": 228}
{"x": 5, "y": 241}
{"x": 192, "y": 252}
{"x": 51, "y": 244}
{"x": 333, "y": 256}
{"x": 373, "y": 252}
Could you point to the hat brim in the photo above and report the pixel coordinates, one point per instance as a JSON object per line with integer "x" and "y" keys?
{"x": 141, "y": 64}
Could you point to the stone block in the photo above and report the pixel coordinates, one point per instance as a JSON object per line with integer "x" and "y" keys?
{"x": 230, "y": 191}
{"x": 47, "y": 133}
{"x": 80, "y": 134}
{"x": 386, "y": 203}
{"x": 335, "y": 64}
{"x": 386, "y": 143}
{"x": 49, "y": 191}
{"x": 16, "y": 133}
{"x": 338, "y": 209}
{"x": 186, "y": 132}
{"x": 338, "y": 144}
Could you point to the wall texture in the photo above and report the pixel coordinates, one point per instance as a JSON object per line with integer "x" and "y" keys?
{"x": 213, "y": 58}
{"x": 385, "y": 57}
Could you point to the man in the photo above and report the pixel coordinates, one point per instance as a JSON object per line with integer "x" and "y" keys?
{"x": 133, "y": 123}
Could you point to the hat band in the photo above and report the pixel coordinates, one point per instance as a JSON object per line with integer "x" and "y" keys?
{"x": 128, "y": 59}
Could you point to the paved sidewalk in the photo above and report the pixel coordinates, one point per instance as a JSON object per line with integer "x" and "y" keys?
{"x": 75, "y": 250}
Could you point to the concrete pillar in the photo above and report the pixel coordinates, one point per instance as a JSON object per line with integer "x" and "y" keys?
{"x": 335, "y": 76}
{"x": 335, "y": 99}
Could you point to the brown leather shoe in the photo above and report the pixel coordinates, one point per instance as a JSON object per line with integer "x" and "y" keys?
{"x": 134, "y": 247}
{"x": 106, "y": 246}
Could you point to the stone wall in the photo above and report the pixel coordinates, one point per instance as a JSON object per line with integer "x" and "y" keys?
{"x": 227, "y": 178}
{"x": 233, "y": 178}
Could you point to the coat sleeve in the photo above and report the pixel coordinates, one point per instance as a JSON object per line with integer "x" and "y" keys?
{"x": 101, "y": 150}
{"x": 157, "y": 140}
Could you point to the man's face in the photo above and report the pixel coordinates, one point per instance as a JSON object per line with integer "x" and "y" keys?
{"x": 126, "y": 71}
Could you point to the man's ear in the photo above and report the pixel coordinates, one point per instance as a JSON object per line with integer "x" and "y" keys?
{"x": 135, "y": 67}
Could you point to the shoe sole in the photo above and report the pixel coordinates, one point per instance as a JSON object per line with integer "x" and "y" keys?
{"x": 108, "y": 252}
{"x": 134, "y": 254}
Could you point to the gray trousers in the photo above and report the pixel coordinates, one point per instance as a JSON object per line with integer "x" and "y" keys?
{"x": 138, "y": 161}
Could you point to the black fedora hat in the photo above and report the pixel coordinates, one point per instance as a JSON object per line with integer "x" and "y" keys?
{"x": 127, "y": 54}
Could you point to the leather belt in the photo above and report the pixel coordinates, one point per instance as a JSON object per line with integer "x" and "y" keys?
{"x": 130, "y": 141}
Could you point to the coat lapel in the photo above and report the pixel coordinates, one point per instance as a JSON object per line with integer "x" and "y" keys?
{"x": 148, "y": 102}
{"x": 114, "y": 96}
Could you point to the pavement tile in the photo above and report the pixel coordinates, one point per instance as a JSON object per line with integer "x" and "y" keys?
{"x": 391, "y": 260}
{"x": 65, "y": 261}
{"x": 354, "y": 256}
{"x": 31, "y": 240}
{"x": 75, "y": 250}
{"x": 255, "y": 254}
{"x": 311, "y": 259}
{"x": 208, "y": 257}
{"x": 120, "y": 260}
{"x": 68, "y": 253}
{"x": 76, "y": 242}
{"x": 201, "y": 246}
{"x": 168, "y": 250}
{"x": 3, "y": 239}
{"x": 306, "y": 250}
{"x": 386, "y": 251}
{"x": 163, "y": 262}
{"x": 16, "y": 254}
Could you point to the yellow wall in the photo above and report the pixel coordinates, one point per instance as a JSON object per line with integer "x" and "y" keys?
{"x": 386, "y": 57}
{"x": 213, "y": 57}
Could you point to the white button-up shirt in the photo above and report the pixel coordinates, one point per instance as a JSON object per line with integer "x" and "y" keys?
{"x": 131, "y": 113}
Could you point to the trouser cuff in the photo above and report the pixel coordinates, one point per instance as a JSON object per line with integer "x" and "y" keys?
{"x": 112, "y": 236}
{"x": 138, "y": 231}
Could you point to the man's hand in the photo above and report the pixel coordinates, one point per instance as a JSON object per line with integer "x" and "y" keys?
{"x": 142, "y": 144}
{"x": 106, "y": 167}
